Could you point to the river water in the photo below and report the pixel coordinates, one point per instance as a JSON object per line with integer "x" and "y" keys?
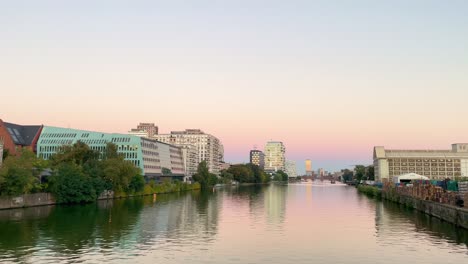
{"x": 299, "y": 223}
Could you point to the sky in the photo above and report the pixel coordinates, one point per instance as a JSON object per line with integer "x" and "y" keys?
{"x": 330, "y": 79}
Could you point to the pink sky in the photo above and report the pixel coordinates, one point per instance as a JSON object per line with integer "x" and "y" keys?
{"x": 329, "y": 81}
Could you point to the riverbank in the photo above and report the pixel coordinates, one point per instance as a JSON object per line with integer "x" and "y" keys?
{"x": 452, "y": 214}
{"x": 42, "y": 199}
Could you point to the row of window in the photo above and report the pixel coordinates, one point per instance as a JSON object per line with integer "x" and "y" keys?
{"x": 423, "y": 160}
{"x": 151, "y": 159}
{"x": 424, "y": 164}
{"x": 426, "y": 173}
{"x": 58, "y": 135}
{"x": 425, "y": 169}
{"x": 56, "y": 141}
{"x": 120, "y": 140}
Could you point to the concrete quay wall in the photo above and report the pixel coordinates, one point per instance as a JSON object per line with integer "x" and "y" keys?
{"x": 449, "y": 213}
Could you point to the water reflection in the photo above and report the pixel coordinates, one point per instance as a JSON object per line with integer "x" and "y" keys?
{"x": 309, "y": 223}
{"x": 392, "y": 219}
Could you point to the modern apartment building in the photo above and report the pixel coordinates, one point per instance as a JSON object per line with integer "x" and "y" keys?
{"x": 274, "y": 156}
{"x": 149, "y": 155}
{"x": 435, "y": 164}
{"x": 291, "y": 169}
{"x": 190, "y": 156}
{"x": 257, "y": 157}
{"x": 308, "y": 166}
{"x": 209, "y": 147}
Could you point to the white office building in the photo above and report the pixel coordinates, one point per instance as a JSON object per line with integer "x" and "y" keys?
{"x": 434, "y": 164}
{"x": 275, "y": 156}
{"x": 208, "y": 146}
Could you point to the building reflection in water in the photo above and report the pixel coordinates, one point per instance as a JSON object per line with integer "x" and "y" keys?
{"x": 275, "y": 204}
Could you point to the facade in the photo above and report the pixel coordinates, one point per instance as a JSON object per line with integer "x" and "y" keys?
{"x": 209, "y": 147}
{"x": 291, "y": 169}
{"x": 150, "y": 129}
{"x": 308, "y": 166}
{"x": 434, "y": 164}
{"x": 147, "y": 154}
{"x": 274, "y": 156}
{"x": 1, "y": 153}
{"x": 320, "y": 172}
{"x": 15, "y": 137}
{"x": 257, "y": 157}
{"x": 190, "y": 157}
{"x": 224, "y": 166}
{"x": 138, "y": 133}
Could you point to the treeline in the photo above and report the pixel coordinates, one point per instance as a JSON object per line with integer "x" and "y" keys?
{"x": 78, "y": 174}
{"x": 250, "y": 173}
{"x": 360, "y": 172}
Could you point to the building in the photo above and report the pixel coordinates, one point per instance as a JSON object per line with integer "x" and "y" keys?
{"x": 1, "y": 153}
{"x": 138, "y": 133}
{"x": 257, "y": 157}
{"x": 320, "y": 172}
{"x": 308, "y": 166}
{"x": 209, "y": 147}
{"x": 224, "y": 166}
{"x": 291, "y": 169}
{"x": 274, "y": 156}
{"x": 16, "y": 137}
{"x": 190, "y": 157}
{"x": 150, "y": 128}
{"x": 145, "y": 130}
{"x": 150, "y": 155}
{"x": 435, "y": 164}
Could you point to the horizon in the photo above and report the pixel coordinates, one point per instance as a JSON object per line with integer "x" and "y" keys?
{"x": 330, "y": 80}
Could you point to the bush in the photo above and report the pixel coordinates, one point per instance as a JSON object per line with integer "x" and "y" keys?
{"x": 70, "y": 185}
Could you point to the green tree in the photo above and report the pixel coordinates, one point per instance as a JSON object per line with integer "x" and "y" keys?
{"x": 19, "y": 174}
{"x": 204, "y": 177}
{"x": 359, "y": 172}
{"x": 70, "y": 185}
{"x": 226, "y": 177}
{"x": 78, "y": 153}
{"x": 137, "y": 184}
{"x": 166, "y": 171}
{"x": 347, "y": 175}
{"x": 370, "y": 173}
{"x": 281, "y": 176}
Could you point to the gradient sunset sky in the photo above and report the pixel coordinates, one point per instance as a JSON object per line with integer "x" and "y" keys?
{"x": 330, "y": 79}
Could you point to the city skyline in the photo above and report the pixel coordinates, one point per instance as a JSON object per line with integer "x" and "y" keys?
{"x": 330, "y": 81}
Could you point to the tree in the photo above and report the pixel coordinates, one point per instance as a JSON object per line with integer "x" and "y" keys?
{"x": 70, "y": 185}
{"x": 19, "y": 174}
{"x": 347, "y": 175}
{"x": 137, "y": 184}
{"x": 166, "y": 171}
{"x": 281, "y": 176}
{"x": 370, "y": 173}
{"x": 204, "y": 177}
{"x": 359, "y": 172}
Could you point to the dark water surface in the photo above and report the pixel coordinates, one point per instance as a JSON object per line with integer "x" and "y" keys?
{"x": 301, "y": 223}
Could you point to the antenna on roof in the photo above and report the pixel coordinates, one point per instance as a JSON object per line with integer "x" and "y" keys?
{"x": 255, "y": 147}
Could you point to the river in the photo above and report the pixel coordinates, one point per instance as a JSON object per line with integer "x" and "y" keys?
{"x": 299, "y": 223}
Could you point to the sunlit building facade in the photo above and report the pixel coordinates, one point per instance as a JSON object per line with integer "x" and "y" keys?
{"x": 275, "y": 156}
{"x": 208, "y": 146}
{"x": 291, "y": 169}
{"x": 308, "y": 166}
{"x": 435, "y": 164}
{"x": 149, "y": 155}
{"x": 257, "y": 157}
